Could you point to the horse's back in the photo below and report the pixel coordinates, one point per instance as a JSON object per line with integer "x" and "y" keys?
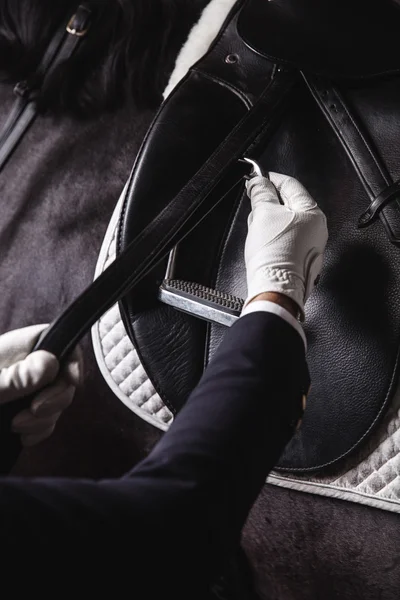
{"x": 58, "y": 191}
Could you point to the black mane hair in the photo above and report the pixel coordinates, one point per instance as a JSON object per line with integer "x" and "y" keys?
{"x": 128, "y": 53}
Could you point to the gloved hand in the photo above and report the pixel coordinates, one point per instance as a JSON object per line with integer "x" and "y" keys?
{"x": 22, "y": 374}
{"x": 285, "y": 243}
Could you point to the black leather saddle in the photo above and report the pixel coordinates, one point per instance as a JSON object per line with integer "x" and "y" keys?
{"x": 338, "y": 133}
{"x": 310, "y": 89}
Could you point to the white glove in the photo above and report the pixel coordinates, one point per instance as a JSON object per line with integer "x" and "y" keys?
{"x": 285, "y": 243}
{"x": 22, "y": 374}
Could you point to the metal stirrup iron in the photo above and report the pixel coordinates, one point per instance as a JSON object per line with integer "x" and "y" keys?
{"x": 197, "y": 299}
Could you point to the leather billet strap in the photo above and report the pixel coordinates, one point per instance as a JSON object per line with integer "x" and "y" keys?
{"x": 221, "y": 172}
{"x": 372, "y": 172}
{"x": 24, "y": 111}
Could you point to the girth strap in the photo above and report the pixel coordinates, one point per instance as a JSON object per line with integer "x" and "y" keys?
{"x": 24, "y": 111}
{"x": 373, "y": 174}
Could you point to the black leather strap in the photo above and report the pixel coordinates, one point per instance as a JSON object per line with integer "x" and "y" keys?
{"x": 219, "y": 173}
{"x": 376, "y": 180}
{"x": 23, "y": 113}
{"x": 390, "y": 193}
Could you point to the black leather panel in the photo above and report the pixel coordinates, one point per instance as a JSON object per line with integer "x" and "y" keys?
{"x": 336, "y": 38}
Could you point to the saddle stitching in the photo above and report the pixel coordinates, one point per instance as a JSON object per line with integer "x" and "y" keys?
{"x": 226, "y": 84}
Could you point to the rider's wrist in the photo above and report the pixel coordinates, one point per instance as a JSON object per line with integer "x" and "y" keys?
{"x": 290, "y": 305}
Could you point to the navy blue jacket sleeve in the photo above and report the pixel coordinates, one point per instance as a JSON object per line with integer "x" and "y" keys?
{"x": 183, "y": 506}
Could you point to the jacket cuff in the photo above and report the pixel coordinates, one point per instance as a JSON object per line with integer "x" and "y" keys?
{"x": 276, "y": 309}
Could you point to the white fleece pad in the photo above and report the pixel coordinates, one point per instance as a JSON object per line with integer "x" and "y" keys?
{"x": 200, "y": 38}
{"x": 371, "y": 478}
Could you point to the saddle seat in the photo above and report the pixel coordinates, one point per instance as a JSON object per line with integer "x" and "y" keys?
{"x": 334, "y": 38}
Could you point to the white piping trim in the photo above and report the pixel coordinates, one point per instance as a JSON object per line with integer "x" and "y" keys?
{"x": 339, "y": 493}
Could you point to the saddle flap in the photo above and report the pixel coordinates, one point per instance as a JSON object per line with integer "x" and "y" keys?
{"x": 334, "y": 38}
{"x": 353, "y": 318}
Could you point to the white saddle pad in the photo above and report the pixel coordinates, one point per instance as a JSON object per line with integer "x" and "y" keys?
{"x": 372, "y": 477}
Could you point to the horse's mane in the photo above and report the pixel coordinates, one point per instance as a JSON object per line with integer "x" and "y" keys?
{"x": 130, "y": 51}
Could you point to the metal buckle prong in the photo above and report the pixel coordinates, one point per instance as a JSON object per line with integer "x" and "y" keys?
{"x": 257, "y": 170}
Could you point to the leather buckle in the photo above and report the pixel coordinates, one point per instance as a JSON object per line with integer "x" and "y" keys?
{"x": 257, "y": 170}
{"x": 22, "y": 89}
{"x": 26, "y": 90}
{"x": 378, "y": 204}
{"x": 79, "y": 23}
